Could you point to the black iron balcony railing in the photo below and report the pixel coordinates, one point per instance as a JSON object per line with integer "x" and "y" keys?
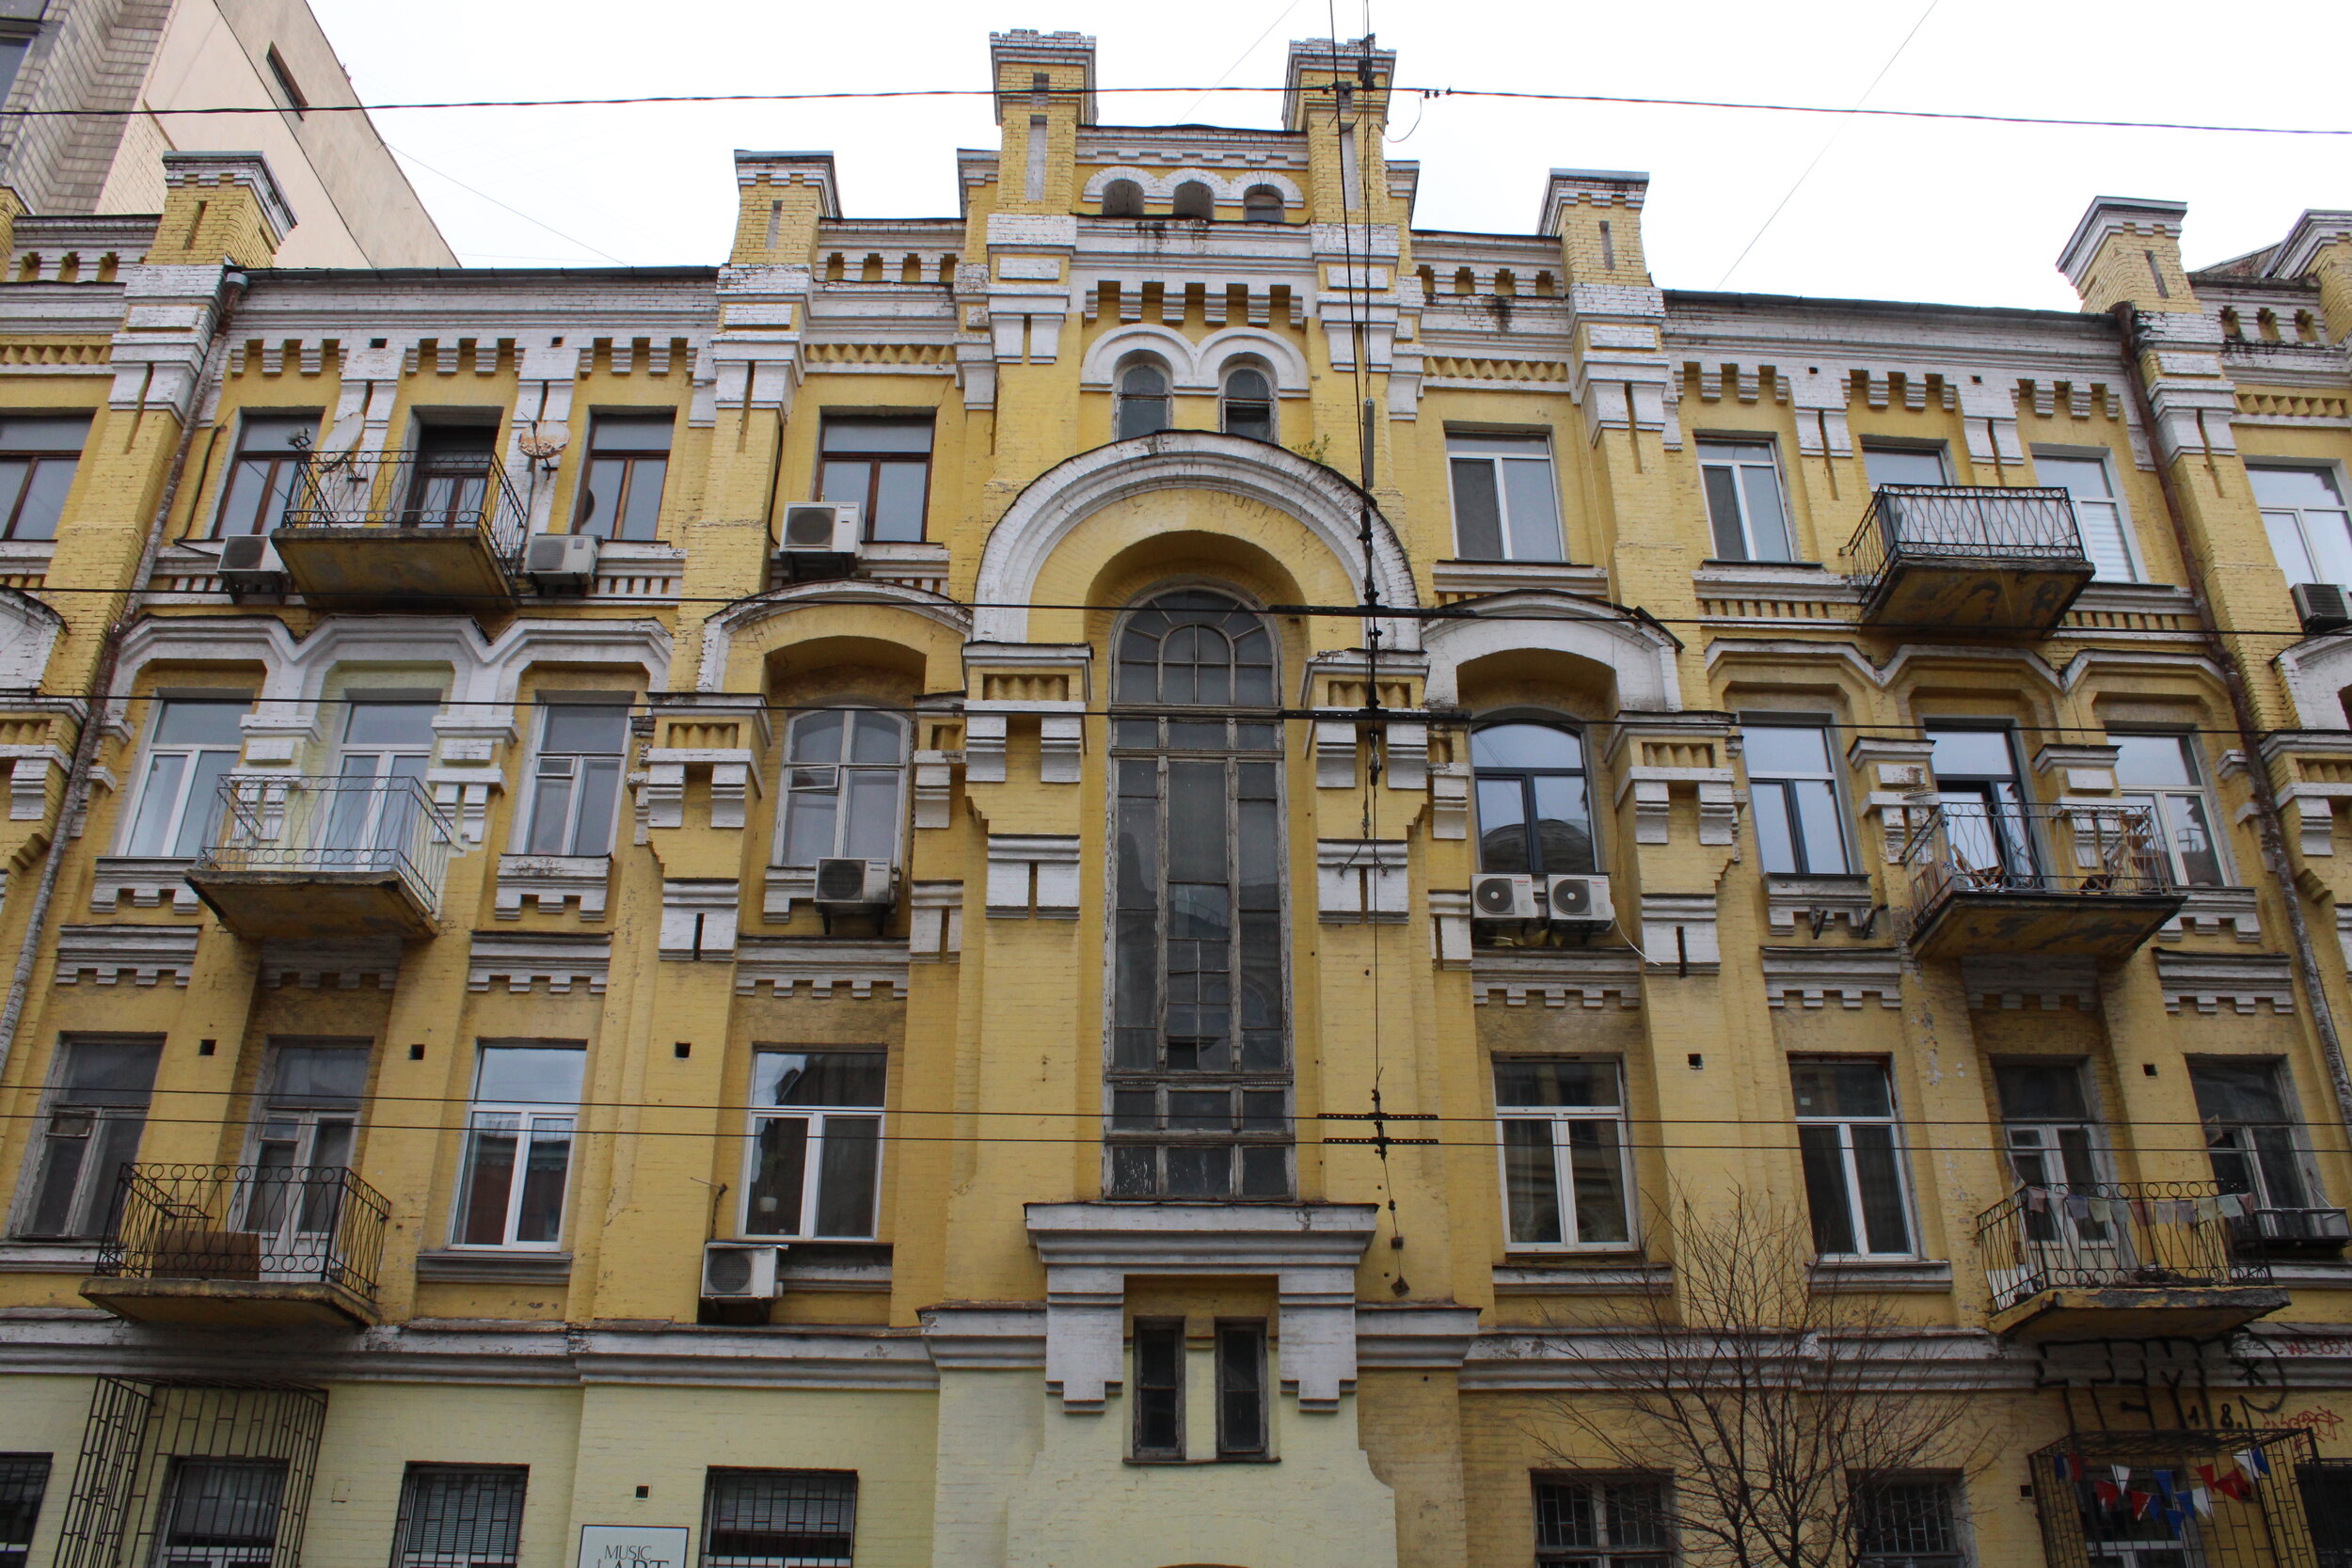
{"x": 333, "y": 825}
{"x": 2004, "y": 847}
{"x": 1961, "y": 523}
{"x": 444, "y": 491}
{"x": 261, "y": 1224}
{"x": 2149, "y": 1234}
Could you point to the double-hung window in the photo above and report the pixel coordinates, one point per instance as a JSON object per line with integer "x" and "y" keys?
{"x": 1564, "y": 1151}
{"x": 23, "y": 1480}
{"x": 2250, "y": 1132}
{"x": 303, "y": 1143}
{"x": 194, "y": 746}
{"x": 1792, "y": 780}
{"x": 2105, "y": 527}
{"x": 1534, "y": 809}
{"x": 1852, "y": 1151}
{"x": 96, "y": 1109}
{"x": 629, "y": 460}
{"x": 1159, "y": 1377}
{"x": 518, "y": 1146}
{"x": 2311, "y": 528}
{"x": 2159, "y": 774}
{"x": 1602, "y": 1522}
{"x": 37, "y": 455}
{"x": 1505, "y": 504}
{"x": 1911, "y": 1524}
{"x": 844, "y": 773}
{"x": 1238, "y": 1356}
{"x": 1241, "y": 1387}
{"x": 262, "y": 477}
{"x": 815, "y": 1155}
{"x": 460, "y": 1516}
{"x": 576, "y": 777}
{"x": 1744, "y": 500}
{"x": 883, "y": 467}
{"x": 779, "y": 1518}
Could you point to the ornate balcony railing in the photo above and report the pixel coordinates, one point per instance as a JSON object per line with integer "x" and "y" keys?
{"x": 2157, "y": 1235}
{"x": 2080, "y": 849}
{"x": 261, "y": 1224}
{"x": 1961, "y": 524}
{"x": 446, "y": 491}
{"x": 331, "y": 826}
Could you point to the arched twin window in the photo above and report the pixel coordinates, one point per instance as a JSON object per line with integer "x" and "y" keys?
{"x": 1122, "y": 198}
{"x": 1198, "y": 1077}
{"x": 1142, "y": 398}
{"x": 1534, "y": 804}
{"x": 1248, "y": 406}
{"x": 843, "y": 774}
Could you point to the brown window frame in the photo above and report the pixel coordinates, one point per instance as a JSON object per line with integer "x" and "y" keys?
{"x": 875, "y": 460}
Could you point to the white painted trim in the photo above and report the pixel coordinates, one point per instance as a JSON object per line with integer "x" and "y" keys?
{"x": 720, "y": 631}
{"x": 1230, "y": 188}
{"x": 1639, "y": 657}
{"x": 1194, "y": 369}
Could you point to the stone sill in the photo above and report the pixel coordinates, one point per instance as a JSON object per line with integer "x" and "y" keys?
{"x": 1925, "y": 1275}
{"x": 1606, "y": 1274}
{"x": 77, "y": 1257}
{"x": 489, "y": 1267}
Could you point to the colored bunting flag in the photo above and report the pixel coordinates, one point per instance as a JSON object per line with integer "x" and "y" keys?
{"x": 2255, "y": 1461}
{"x": 2108, "y": 1494}
{"x": 2235, "y": 1485}
{"x": 2070, "y": 1466}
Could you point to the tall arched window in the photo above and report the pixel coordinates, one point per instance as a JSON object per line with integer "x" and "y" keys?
{"x": 843, "y": 773}
{"x": 1262, "y": 204}
{"x": 1142, "y": 398}
{"x": 1194, "y": 199}
{"x": 1122, "y": 198}
{"x": 1199, "y": 1074}
{"x": 1534, "y": 809}
{"x": 1249, "y": 403}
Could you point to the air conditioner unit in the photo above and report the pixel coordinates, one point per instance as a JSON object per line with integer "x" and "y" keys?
{"x": 740, "y": 1270}
{"x": 820, "y": 540}
{"x": 561, "y": 561}
{"x": 1580, "y": 900}
{"x": 249, "y": 564}
{"x": 1503, "y": 898}
{"x": 2323, "y": 607}
{"x": 855, "y": 884}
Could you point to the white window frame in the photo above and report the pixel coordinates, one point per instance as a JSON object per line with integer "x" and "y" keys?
{"x": 1834, "y": 776}
{"x": 193, "y": 751}
{"x": 533, "y": 1120}
{"x": 2157, "y": 798}
{"x": 2295, "y": 518}
{"x": 842, "y": 772}
{"x": 1857, "y": 1219}
{"x": 1533, "y": 438}
{"x": 283, "y": 1120}
{"x": 2135, "y": 567}
{"x": 1559, "y": 1118}
{"x": 820, "y": 1118}
{"x": 526, "y": 816}
{"x": 1733, "y": 453}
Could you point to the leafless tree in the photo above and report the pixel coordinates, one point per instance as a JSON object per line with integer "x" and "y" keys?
{"x": 1773, "y": 1399}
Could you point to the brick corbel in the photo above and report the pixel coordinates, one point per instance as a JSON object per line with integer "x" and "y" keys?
{"x": 1652, "y": 756}
{"x": 1897, "y": 784}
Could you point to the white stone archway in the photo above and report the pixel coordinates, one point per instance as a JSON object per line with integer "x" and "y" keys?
{"x": 721, "y": 631}
{"x": 1639, "y": 655}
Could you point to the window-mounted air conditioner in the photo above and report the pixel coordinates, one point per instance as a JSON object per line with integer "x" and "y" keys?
{"x": 1498, "y": 898}
{"x": 562, "y": 561}
{"x": 1580, "y": 900}
{"x": 249, "y": 564}
{"x": 855, "y": 884}
{"x": 2323, "y": 607}
{"x": 740, "y": 1270}
{"x": 820, "y": 540}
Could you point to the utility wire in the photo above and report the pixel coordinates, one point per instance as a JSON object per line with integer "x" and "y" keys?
{"x": 410, "y": 157}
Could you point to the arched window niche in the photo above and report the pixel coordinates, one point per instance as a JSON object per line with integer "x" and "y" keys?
{"x": 1246, "y": 407}
{"x": 1122, "y": 198}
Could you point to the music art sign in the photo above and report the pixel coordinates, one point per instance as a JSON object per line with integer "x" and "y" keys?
{"x": 632, "y": 1546}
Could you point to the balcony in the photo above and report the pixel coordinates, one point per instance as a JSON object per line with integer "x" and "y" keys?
{"x": 246, "y": 1246}
{"x": 2293, "y": 1232}
{"x": 2120, "y": 1260}
{"x": 2000, "y": 879}
{"x": 400, "y": 531}
{"x": 1967, "y": 557}
{"x": 327, "y": 858}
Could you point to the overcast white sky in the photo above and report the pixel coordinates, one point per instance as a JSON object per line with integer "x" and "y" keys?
{"x": 1907, "y": 210}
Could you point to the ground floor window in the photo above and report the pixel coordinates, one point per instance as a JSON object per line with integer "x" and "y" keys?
{"x": 779, "y": 1518}
{"x": 460, "y": 1516}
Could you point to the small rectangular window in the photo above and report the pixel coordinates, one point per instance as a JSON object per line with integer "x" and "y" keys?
{"x": 883, "y": 465}
{"x": 2099, "y": 516}
{"x": 1744, "y": 500}
{"x": 1565, "y": 1153}
{"x": 576, "y": 777}
{"x": 1240, "y": 1389}
{"x": 518, "y": 1146}
{"x": 779, "y": 1518}
{"x": 1909, "y": 1523}
{"x": 2160, "y": 775}
{"x": 629, "y": 461}
{"x": 222, "y": 1513}
{"x": 1792, "y": 780}
{"x": 2250, "y": 1130}
{"x": 290, "y": 94}
{"x": 262, "y": 477}
{"x": 1159, "y": 1381}
{"x": 37, "y": 457}
{"x": 13, "y": 47}
{"x": 815, "y": 1155}
{"x": 23, "y": 1480}
{"x": 1602, "y": 1522}
{"x": 1505, "y": 505}
{"x": 93, "y": 1116}
{"x": 1904, "y": 465}
{"x": 1852, "y": 1150}
{"x": 460, "y": 1516}
{"x": 2311, "y": 528}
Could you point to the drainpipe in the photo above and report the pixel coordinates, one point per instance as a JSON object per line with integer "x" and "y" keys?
{"x": 233, "y": 286}
{"x": 2269, "y": 825}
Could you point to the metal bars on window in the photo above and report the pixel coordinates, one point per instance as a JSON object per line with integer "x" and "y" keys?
{"x": 779, "y": 1518}
{"x": 23, "y": 1480}
{"x": 460, "y": 1516}
{"x": 193, "y": 1475}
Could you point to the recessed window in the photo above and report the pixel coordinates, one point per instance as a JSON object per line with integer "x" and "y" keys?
{"x": 1744, "y": 500}
{"x": 2099, "y": 516}
{"x": 1262, "y": 204}
{"x": 815, "y": 1156}
{"x": 194, "y": 745}
{"x": 1505, "y": 506}
{"x": 1602, "y": 1522}
{"x": 1535, "y": 809}
{"x": 460, "y": 1516}
{"x": 1985, "y": 822}
{"x": 1904, "y": 465}
{"x": 518, "y": 1146}
{"x": 222, "y": 1513}
{"x": 779, "y": 1518}
{"x": 2053, "y": 1143}
{"x": 2310, "y": 526}
{"x": 1241, "y": 1388}
{"x": 2160, "y": 775}
{"x": 1194, "y": 199}
{"x": 37, "y": 457}
{"x": 576, "y": 777}
{"x": 1159, "y": 1378}
{"x": 1792, "y": 781}
{"x": 1565, "y": 1151}
{"x": 23, "y": 1480}
{"x": 1848, "y": 1142}
{"x": 303, "y": 1142}
{"x": 1142, "y": 398}
{"x": 843, "y": 777}
{"x": 883, "y": 467}
{"x": 1915, "y": 1524}
{"x": 263, "y": 475}
{"x": 629, "y": 461}
{"x": 290, "y": 94}
{"x": 2250, "y": 1130}
{"x": 1122, "y": 198}
{"x": 450, "y": 485}
{"x": 1249, "y": 403}
{"x": 92, "y": 1118}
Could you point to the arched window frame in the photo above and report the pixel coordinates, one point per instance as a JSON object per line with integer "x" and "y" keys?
{"x": 1122, "y": 198}
{"x": 1262, "y": 204}
{"x": 1530, "y": 797}
{"x": 1246, "y": 408}
{"x": 1135, "y": 413}
{"x": 1194, "y": 199}
{"x": 863, "y": 823}
{"x": 1198, "y": 1075}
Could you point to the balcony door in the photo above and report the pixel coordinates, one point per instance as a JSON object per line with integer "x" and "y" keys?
{"x": 451, "y": 485}
{"x": 1985, "y": 824}
{"x": 302, "y": 1152}
{"x": 379, "y": 773}
{"x": 2053, "y": 1148}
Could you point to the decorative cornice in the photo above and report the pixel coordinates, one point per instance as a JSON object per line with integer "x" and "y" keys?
{"x": 2242, "y": 982}
{"x": 2044, "y": 982}
{"x": 345, "y": 966}
{"x": 1814, "y": 974}
{"x": 1553, "y": 976}
{"x": 864, "y": 970}
{"x": 147, "y": 954}
{"x": 524, "y": 958}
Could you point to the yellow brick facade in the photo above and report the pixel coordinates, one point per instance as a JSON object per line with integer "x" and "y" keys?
{"x": 1695, "y": 556}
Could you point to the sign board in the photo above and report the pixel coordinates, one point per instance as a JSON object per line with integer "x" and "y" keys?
{"x": 632, "y": 1546}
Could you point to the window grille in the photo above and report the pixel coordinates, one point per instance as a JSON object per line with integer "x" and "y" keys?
{"x": 460, "y": 1516}
{"x": 2254, "y": 1510}
{"x": 1906, "y": 1524}
{"x": 193, "y": 1475}
{"x": 1607, "y": 1522}
{"x": 23, "y": 1479}
{"x": 779, "y": 1518}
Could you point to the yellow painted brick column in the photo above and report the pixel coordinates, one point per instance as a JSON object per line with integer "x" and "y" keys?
{"x": 2320, "y": 247}
{"x": 219, "y": 207}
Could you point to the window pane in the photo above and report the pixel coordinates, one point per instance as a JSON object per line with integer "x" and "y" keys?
{"x": 1502, "y": 826}
{"x": 2323, "y": 531}
{"x": 808, "y": 826}
{"x": 1972, "y": 754}
{"x": 382, "y": 723}
{"x": 1525, "y": 746}
{"x": 1767, "y": 520}
{"x": 1499, "y": 445}
{"x": 1822, "y": 828}
{"x": 600, "y": 496}
{"x": 876, "y": 739}
{"x": 577, "y": 727}
{"x": 2294, "y": 486}
{"x": 2238, "y": 1091}
{"x": 1903, "y": 465}
{"x": 818, "y": 1077}
{"x": 625, "y": 434}
{"x": 2286, "y": 543}
{"x": 541, "y": 1218}
{"x": 1564, "y": 826}
{"x": 1597, "y": 1174}
{"x": 1240, "y": 1388}
{"x": 2037, "y": 1091}
{"x": 845, "y": 480}
{"x": 780, "y": 1164}
{"x": 2182, "y": 820}
{"x": 898, "y": 501}
{"x": 1722, "y": 513}
{"x": 1535, "y": 510}
{"x": 873, "y": 806}
{"x": 1881, "y": 1179}
{"x": 816, "y": 736}
{"x": 1840, "y": 1089}
{"x": 1528, "y": 1182}
{"x": 845, "y": 1191}
{"x": 63, "y": 433}
{"x": 878, "y": 435}
{"x": 159, "y": 798}
{"x": 1523, "y": 1082}
{"x": 489, "y": 1179}
{"x": 1477, "y": 510}
{"x": 600, "y": 793}
{"x": 1776, "y": 827}
{"x": 642, "y": 518}
{"x": 2154, "y": 761}
{"x": 550, "y": 807}
{"x": 1140, "y": 415}
{"x": 310, "y": 1072}
{"x": 202, "y": 810}
{"x": 1825, "y": 1190}
{"x": 184, "y": 723}
{"x": 528, "y": 1074}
